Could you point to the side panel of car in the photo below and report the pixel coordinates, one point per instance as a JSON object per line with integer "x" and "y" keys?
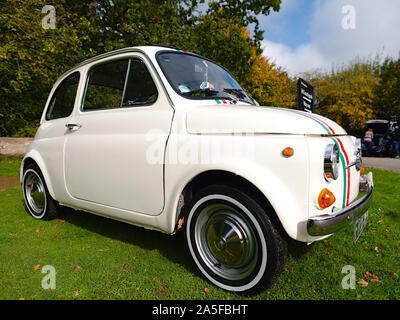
{"x": 106, "y": 163}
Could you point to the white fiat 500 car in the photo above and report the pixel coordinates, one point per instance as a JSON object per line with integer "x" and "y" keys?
{"x": 167, "y": 140}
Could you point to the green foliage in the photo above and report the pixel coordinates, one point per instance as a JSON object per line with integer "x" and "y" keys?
{"x": 246, "y": 12}
{"x": 269, "y": 85}
{"x": 346, "y": 94}
{"x": 387, "y": 92}
{"x": 32, "y": 58}
{"x": 361, "y": 90}
{"x": 226, "y": 42}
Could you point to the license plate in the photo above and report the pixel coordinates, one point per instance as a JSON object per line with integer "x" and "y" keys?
{"x": 359, "y": 226}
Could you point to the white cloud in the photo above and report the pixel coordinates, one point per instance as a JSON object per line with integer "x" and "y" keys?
{"x": 304, "y": 57}
{"x": 376, "y": 31}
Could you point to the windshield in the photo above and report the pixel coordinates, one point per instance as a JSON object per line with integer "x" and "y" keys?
{"x": 194, "y": 77}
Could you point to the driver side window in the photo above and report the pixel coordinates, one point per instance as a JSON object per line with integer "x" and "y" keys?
{"x": 140, "y": 88}
{"x": 118, "y": 84}
{"x": 105, "y": 85}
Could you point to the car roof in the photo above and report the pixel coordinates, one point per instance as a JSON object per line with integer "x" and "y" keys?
{"x": 144, "y": 49}
{"x": 376, "y": 121}
{"x": 147, "y": 50}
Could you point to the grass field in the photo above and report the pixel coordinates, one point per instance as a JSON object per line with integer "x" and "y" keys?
{"x": 98, "y": 258}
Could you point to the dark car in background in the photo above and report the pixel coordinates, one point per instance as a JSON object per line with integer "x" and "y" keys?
{"x": 383, "y": 145}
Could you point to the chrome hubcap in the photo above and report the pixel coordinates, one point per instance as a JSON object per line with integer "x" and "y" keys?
{"x": 226, "y": 241}
{"x": 35, "y": 193}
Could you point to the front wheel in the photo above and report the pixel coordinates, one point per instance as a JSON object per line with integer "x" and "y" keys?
{"x": 233, "y": 241}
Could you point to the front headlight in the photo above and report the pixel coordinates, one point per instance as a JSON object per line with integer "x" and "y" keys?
{"x": 331, "y": 162}
{"x": 357, "y": 144}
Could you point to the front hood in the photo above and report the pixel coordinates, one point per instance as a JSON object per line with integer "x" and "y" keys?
{"x": 252, "y": 119}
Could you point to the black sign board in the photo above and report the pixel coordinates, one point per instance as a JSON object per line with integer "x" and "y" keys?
{"x": 305, "y": 96}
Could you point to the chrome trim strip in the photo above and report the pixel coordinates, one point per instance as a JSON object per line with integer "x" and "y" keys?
{"x": 325, "y": 225}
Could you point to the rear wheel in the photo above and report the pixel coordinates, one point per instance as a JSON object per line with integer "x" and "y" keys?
{"x": 233, "y": 241}
{"x": 38, "y": 200}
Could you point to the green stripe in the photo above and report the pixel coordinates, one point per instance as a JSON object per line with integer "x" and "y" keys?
{"x": 219, "y": 102}
{"x": 344, "y": 173}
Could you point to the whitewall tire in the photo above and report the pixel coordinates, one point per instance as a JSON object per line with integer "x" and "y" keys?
{"x": 232, "y": 240}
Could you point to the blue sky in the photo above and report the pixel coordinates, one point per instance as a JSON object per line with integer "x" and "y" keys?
{"x": 290, "y": 25}
{"x": 315, "y": 34}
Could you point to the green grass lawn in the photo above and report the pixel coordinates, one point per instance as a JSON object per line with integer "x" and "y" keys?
{"x": 98, "y": 258}
{"x": 9, "y": 166}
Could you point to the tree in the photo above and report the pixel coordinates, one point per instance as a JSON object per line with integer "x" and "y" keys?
{"x": 269, "y": 85}
{"x": 347, "y": 94}
{"x": 32, "y": 58}
{"x": 387, "y": 91}
{"x": 226, "y": 42}
{"x": 246, "y": 12}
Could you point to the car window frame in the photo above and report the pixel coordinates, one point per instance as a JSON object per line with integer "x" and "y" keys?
{"x": 121, "y": 107}
{"x": 60, "y": 82}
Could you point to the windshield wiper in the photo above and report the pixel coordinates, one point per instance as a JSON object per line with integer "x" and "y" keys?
{"x": 240, "y": 95}
{"x": 206, "y": 92}
{"x": 234, "y": 94}
{"x": 237, "y": 92}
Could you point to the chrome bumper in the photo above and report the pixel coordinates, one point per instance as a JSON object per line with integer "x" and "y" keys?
{"x": 321, "y": 226}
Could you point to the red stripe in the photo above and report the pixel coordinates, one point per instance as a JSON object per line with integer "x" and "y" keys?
{"x": 348, "y": 170}
{"x": 344, "y": 151}
{"x": 224, "y": 101}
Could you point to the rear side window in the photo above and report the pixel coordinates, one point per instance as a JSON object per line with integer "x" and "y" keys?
{"x": 63, "y": 100}
{"x": 117, "y": 84}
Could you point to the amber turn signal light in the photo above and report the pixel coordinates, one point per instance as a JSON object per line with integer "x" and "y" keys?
{"x": 287, "y": 152}
{"x": 325, "y": 199}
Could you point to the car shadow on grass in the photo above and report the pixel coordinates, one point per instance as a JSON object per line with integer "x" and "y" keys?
{"x": 172, "y": 247}
{"x": 297, "y": 249}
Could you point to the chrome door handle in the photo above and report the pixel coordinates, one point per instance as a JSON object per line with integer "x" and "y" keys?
{"x": 71, "y": 126}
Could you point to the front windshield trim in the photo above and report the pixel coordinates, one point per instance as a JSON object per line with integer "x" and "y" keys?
{"x": 216, "y": 97}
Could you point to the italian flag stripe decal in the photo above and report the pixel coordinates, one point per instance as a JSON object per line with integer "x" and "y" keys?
{"x": 221, "y": 101}
{"x": 342, "y": 155}
{"x": 327, "y": 128}
{"x": 346, "y": 175}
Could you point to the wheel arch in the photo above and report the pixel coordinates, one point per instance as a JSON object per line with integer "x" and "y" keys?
{"x": 222, "y": 177}
{"x": 34, "y": 158}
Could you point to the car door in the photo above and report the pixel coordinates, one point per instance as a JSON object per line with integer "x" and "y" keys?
{"x": 50, "y": 137}
{"x": 106, "y": 151}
